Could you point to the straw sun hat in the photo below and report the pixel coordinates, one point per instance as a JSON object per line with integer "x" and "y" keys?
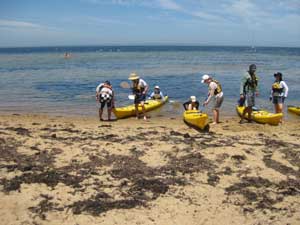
{"x": 133, "y": 76}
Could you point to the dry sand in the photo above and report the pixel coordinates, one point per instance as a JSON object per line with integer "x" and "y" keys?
{"x": 65, "y": 170}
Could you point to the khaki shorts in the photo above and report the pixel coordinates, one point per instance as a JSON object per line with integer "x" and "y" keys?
{"x": 218, "y": 102}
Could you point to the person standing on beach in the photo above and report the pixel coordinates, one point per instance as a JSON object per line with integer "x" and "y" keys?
{"x": 279, "y": 92}
{"x": 105, "y": 96}
{"x": 214, "y": 91}
{"x": 139, "y": 89}
{"x": 248, "y": 92}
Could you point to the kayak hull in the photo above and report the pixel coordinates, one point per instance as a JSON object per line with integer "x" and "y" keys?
{"x": 196, "y": 119}
{"x": 128, "y": 111}
{"x": 262, "y": 116}
{"x": 294, "y": 109}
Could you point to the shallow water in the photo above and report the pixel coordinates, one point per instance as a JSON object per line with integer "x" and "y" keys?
{"x": 40, "y": 80}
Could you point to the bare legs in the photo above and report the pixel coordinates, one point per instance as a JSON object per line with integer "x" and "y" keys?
{"x": 100, "y": 114}
{"x": 249, "y": 111}
{"x": 216, "y": 114}
{"x": 278, "y": 109}
{"x": 143, "y": 110}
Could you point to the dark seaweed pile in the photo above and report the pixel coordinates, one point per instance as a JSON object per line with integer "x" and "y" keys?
{"x": 133, "y": 180}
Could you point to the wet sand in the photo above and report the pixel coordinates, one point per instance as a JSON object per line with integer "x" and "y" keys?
{"x": 77, "y": 170}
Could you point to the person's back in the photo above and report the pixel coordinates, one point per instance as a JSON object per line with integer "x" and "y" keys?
{"x": 105, "y": 96}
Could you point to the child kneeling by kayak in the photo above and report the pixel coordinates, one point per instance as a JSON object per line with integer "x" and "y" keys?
{"x": 192, "y": 104}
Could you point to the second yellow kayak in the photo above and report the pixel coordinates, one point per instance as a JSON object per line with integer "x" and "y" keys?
{"x": 196, "y": 118}
{"x": 262, "y": 116}
{"x": 294, "y": 109}
{"x": 127, "y": 111}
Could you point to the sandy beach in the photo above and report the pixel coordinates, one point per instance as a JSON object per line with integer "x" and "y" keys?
{"x": 77, "y": 170}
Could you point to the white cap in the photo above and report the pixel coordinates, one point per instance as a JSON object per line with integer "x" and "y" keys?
{"x": 156, "y": 87}
{"x": 193, "y": 98}
{"x": 205, "y": 77}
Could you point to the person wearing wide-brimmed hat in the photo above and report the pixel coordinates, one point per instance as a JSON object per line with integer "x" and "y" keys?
{"x": 157, "y": 94}
{"x": 248, "y": 92}
{"x": 139, "y": 89}
{"x": 279, "y": 92}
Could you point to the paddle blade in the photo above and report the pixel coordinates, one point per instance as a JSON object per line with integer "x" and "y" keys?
{"x": 124, "y": 84}
{"x": 131, "y": 97}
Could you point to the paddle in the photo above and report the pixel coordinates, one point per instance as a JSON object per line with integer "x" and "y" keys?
{"x": 125, "y": 84}
{"x": 131, "y": 97}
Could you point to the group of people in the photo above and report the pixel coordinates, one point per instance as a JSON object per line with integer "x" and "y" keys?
{"x": 105, "y": 95}
{"x": 248, "y": 92}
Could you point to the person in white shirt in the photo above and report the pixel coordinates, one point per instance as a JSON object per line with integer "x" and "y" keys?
{"x": 157, "y": 94}
{"x": 214, "y": 92}
{"x": 139, "y": 89}
{"x": 105, "y": 96}
{"x": 279, "y": 92}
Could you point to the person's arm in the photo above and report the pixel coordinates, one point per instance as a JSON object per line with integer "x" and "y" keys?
{"x": 242, "y": 85}
{"x": 151, "y": 96}
{"x": 146, "y": 88}
{"x": 197, "y": 105}
{"x": 186, "y": 105}
{"x": 162, "y": 95}
{"x": 113, "y": 100}
{"x": 285, "y": 88}
{"x": 271, "y": 94}
{"x": 257, "y": 87}
{"x": 212, "y": 88}
{"x": 98, "y": 88}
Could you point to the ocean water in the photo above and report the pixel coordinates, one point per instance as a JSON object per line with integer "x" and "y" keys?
{"x": 40, "y": 80}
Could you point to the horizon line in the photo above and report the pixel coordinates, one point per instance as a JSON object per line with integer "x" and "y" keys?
{"x": 148, "y": 44}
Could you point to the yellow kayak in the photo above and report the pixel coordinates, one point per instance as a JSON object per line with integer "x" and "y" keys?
{"x": 262, "y": 116}
{"x": 128, "y": 111}
{"x": 196, "y": 118}
{"x": 294, "y": 109}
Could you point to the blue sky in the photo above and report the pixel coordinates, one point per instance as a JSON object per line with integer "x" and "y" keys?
{"x": 139, "y": 22}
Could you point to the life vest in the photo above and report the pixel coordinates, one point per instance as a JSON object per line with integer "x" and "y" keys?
{"x": 157, "y": 96}
{"x": 276, "y": 87}
{"x": 251, "y": 82}
{"x": 219, "y": 87}
{"x": 138, "y": 89}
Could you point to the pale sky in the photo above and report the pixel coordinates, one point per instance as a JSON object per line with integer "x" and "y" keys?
{"x": 143, "y": 22}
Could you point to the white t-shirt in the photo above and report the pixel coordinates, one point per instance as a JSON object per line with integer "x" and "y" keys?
{"x": 104, "y": 89}
{"x": 142, "y": 83}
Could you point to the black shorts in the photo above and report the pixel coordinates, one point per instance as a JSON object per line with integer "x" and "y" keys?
{"x": 103, "y": 103}
{"x": 139, "y": 98}
{"x": 278, "y": 100}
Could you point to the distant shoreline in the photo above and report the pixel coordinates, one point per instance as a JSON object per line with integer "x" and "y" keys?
{"x": 63, "y": 48}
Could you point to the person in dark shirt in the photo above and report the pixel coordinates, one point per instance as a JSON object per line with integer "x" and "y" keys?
{"x": 192, "y": 104}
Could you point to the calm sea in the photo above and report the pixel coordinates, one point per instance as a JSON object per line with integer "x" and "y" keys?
{"x": 40, "y": 80}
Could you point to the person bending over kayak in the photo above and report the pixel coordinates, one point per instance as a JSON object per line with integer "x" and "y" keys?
{"x": 279, "y": 92}
{"x": 215, "y": 92}
{"x": 192, "y": 104}
{"x": 105, "y": 96}
{"x": 156, "y": 94}
{"x": 139, "y": 89}
{"x": 248, "y": 92}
